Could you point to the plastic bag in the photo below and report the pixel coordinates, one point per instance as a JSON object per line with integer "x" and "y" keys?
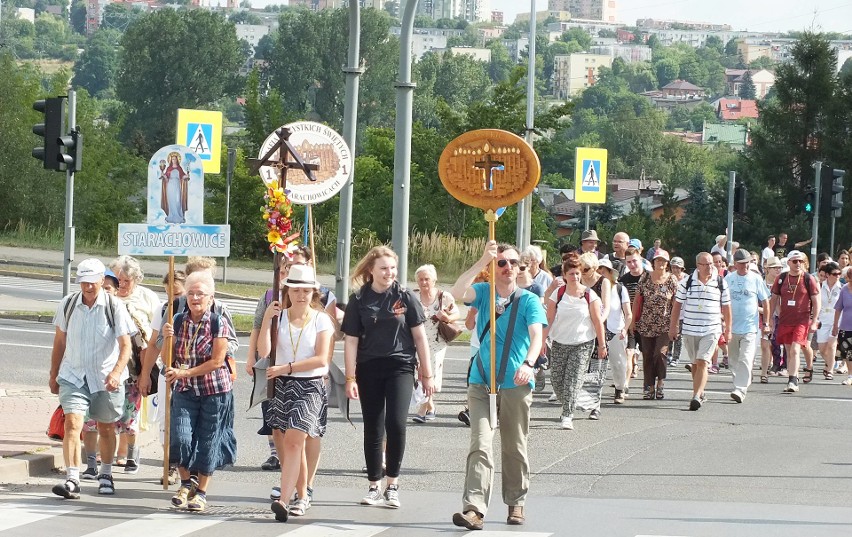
{"x": 418, "y": 397}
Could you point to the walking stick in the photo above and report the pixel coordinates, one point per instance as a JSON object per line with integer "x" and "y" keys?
{"x": 491, "y": 218}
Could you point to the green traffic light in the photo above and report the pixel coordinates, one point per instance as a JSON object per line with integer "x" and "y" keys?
{"x": 809, "y": 208}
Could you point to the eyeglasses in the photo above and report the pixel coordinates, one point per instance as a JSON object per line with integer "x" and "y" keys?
{"x": 503, "y": 262}
{"x": 522, "y": 268}
{"x": 197, "y": 295}
{"x": 796, "y": 261}
{"x": 586, "y": 270}
{"x": 704, "y": 264}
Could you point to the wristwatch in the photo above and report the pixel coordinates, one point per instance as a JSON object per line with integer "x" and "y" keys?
{"x": 531, "y": 364}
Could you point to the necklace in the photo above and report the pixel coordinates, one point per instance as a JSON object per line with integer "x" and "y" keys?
{"x": 305, "y": 322}
{"x": 792, "y": 288}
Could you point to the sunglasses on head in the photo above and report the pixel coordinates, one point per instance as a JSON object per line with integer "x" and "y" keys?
{"x": 503, "y": 262}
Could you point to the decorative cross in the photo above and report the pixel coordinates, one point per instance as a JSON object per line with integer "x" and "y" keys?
{"x": 283, "y": 144}
{"x": 488, "y": 166}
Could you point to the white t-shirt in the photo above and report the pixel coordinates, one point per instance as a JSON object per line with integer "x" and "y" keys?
{"x": 573, "y": 322}
{"x": 766, "y": 254}
{"x": 303, "y": 339}
{"x": 615, "y": 320}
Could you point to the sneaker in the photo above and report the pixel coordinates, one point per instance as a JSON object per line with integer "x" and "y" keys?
{"x": 131, "y": 467}
{"x": 373, "y": 497}
{"x": 197, "y": 503}
{"x": 725, "y": 364}
{"x": 105, "y": 485}
{"x": 392, "y": 497}
{"x": 464, "y": 417}
{"x": 567, "y": 422}
{"x": 70, "y": 489}
{"x": 275, "y": 494}
{"x": 792, "y": 387}
{"x": 738, "y": 396}
{"x": 90, "y": 474}
{"x": 271, "y": 464}
{"x": 298, "y": 507}
{"x": 430, "y": 416}
{"x": 181, "y": 497}
{"x": 469, "y": 519}
{"x": 695, "y": 403}
{"x": 619, "y": 397}
{"x": 173, "y": 476}
{"x": 540, "y": 380}
{"x": 595, "y": 414}
{"x": 418, "y": 419}
{"x": 552, "y": 398}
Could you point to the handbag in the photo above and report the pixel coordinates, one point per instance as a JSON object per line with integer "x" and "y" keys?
{"x": 448, "y": 331}
{"x": 56, "y": 427}
{"x": 155, "y": 380}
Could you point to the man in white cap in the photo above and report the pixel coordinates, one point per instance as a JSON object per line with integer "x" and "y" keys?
{"x": 748, "y": 295}
{"x": 795, "y": 297}
{"x": 88, "y": 367}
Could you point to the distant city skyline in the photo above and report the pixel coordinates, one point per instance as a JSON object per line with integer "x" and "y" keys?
{"x": 775, "y": 16}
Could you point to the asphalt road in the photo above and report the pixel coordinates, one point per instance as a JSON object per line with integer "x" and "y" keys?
{"x": 777, "y": 465}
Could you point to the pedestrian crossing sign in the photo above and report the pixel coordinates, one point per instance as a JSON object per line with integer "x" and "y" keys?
{"x": 201, "y": 131}
{"x": 590, "y": 175}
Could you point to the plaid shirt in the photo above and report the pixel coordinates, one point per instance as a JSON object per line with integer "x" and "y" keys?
{"x": 193, "y": 347}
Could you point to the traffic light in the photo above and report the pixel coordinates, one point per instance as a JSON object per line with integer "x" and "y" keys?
{"x": 809, "y": 200}
{"x": 740, "y": 198}
{"x": 837, "y": 192}
{"x": 73, "y": 155}
{"x": 52, "y": 128}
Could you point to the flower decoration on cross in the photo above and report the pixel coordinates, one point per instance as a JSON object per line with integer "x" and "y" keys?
{"x": 277, "y": 211}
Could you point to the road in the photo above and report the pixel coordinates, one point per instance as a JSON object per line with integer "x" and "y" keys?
{"x": 776, "y": 465}
{"x": 51, "y": 293}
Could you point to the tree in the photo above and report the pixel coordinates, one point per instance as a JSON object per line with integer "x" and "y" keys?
{"x": 154, "y": 79}
{"x": 501, "y": 63}
{"x": 846, "y": 69}
{"x": 78, "y": 16}
{"x": 747, "y": 89}
{"x": 96, "y": 67}
{"x": 731, "y": 48}
{"x": 245, "y": 17}
{"x": 764, "y": 62}
{"x": 579, "y": 36}
{"x": 713, "y": 42}
{"x": 120, "y": 16}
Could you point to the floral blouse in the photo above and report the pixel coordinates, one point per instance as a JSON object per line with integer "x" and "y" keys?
{"x": 443, "y": 301}
{"x": 656, "y": 305}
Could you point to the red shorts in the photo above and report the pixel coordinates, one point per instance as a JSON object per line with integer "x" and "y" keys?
{"x": 789, "y": 334}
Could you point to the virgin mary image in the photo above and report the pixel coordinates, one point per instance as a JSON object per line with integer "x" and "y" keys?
{"x": 175, "y": 184}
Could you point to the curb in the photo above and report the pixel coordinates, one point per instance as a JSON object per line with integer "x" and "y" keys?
{"x": 26, "y": 465}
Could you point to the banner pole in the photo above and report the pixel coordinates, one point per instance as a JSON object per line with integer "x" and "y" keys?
{"x": 168, "y": 347}
{"x": 491, "y": 217}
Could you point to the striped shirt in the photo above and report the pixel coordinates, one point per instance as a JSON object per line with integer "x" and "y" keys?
{"x": 193, "y": 346}
{"x": 702, "y": 304}
{"x": 91, "y": 346}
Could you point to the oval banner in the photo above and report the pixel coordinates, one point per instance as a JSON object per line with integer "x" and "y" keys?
{"x": 175, "y": 186}
{"x": 316, "y": 144}
{"x": 489, "y": 168}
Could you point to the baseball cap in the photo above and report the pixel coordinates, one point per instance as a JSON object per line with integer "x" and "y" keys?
{"x": 661, "y": 253}
{"x": 742, "y": 256}
{"x": 111, "y": 275}
{"x": 636, "y": 243}
{"x": 795, "y": 254}
{"x": 677, "y": 262}
{"x": 90, "y": 271}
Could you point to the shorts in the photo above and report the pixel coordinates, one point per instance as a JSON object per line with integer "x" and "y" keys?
{"x": 101, "y": 406}
{"x": 632, "y": 340}
{"x": 823, "y": 335}
{"x": 700, "y": 347}
{"x": 789, "y": 334}
{"x": 844, "y": 345}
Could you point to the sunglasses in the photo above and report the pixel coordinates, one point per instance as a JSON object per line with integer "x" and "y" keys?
{"x": 587, "y": 270}
{"x": 835, "y": 274}
{"x": 796, "y": 261}
{"x": 503, "y": 262}
{"x": 522, "y": 268}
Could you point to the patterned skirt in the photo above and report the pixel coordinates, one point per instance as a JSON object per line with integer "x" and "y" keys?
{"x": 300, "y": 404}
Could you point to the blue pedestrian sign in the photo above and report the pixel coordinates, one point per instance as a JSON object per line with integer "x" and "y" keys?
{"x": 199, "y": 136}
{"x": 591, "y": 176}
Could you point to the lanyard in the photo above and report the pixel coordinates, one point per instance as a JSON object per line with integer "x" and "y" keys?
{"x": 306, "y": 320}
{"x": 191, "y": 341}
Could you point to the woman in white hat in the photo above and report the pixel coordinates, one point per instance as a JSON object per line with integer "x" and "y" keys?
{"x": 300, "y": 406}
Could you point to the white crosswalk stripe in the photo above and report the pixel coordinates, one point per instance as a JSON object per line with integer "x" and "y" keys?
{"x": 173, "y": 524}
{"x": 335, "y": 530}
{"x": 16, "y": 515}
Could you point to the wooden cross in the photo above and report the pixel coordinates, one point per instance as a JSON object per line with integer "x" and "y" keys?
{"x": 488, "y": 166}
{"x": 283, "y": 144}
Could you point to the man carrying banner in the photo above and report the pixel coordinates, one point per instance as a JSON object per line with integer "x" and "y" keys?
{"x": 520, "y": 319}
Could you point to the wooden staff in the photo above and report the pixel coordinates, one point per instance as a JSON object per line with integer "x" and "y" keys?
{"x": 168, "y": 348}
{"x": 273, "y": 331}
{"x": 491, "y": 218}
{"x": 311, "y": 233}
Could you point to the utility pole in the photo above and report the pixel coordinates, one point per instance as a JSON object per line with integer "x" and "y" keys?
{"x": 732, "y": 183}
{"x": 69, "y": 202}
{"x": 232, "y": 157}
{"x": 815, "y": 230}
{"x": 524, "y": 226}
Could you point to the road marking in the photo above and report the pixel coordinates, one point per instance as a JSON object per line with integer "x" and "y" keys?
{"x": 16, "y": 514}
{"x": 6, "y": 329}
{"x": 335, "y": 530}
{"x": 29, "y": 346}
{"x": 172, "y": 524}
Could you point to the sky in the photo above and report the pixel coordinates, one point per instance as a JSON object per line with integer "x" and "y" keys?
{"x": 754, "y": 15}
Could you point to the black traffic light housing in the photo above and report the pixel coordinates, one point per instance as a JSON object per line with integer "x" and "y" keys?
{"x": 51, "y": 130}
{"x": 837, "y": 192}
{"x": 73, "y": 145}
{"x": 809, "y": 200}
{"x": 740, "y": 191}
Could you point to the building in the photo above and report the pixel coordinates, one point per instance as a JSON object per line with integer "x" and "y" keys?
{"x": 598, "y": 10}
{"x": 516, "y": 46}
{"x": 575, "y": 72}
{"x": 478, "y": 54}
{"x": 842, "y": 56}
{"x": 762, "y": 79}
{"x": 752, "y": 51}
{"x": 251, "y": 32}
{"x": 628, "y": 53}
{"x": 26, "y": 14}
{"x": 681, "y": 89}
{"x": 425, "y": 40}
{"x": 734, "y": 109}
{"x": 316, "y": 5}
{"x": 497, "y": 17}
{"x": 658, "y": 24}
{"x": 735, "y": 136}
{"x": 592, "y": 27}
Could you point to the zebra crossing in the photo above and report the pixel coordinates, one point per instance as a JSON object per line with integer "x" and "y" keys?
{"x": 51, "y": 291}
{"x": 47, "y": 516}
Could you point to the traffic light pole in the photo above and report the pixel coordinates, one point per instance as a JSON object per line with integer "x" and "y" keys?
{"x": 815, "y": 230}
{"x": 69, "y": 202}
{"x": 732, "y": 183}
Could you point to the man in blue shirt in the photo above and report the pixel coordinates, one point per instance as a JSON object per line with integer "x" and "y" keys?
{"x": 748, "y": 295}
{"x": 514, "y": 380}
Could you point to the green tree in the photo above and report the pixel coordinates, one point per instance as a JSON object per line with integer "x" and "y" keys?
{"x": 747, "y": 89}
{"x": 120, "y": 16}
{"x": 154, "y": 80}
{"x": 501, "y": 63}
{"x": 78, "y": 16}
{"x": 579, "y": 36}
{"x": 245, "y": 17}
{"x": 96, "y": 67}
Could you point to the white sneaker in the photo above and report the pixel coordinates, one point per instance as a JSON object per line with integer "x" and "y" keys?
{"x": 567, "y": 422}
{"x": 373, "y": 497}
{"x": 792, "y": 387}
{"x": 738, "y": 396}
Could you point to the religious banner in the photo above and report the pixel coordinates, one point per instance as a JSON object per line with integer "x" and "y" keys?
{"x": 175, "y": 187}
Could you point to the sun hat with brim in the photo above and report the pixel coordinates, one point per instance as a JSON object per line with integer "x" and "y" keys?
{"x": 773, "y": 262}
{"x": 677, "y": 262}
{"x": 301, "y": 276}
{"x": 589, "y": 235}
{"x": 660, "y": 253}
{"x": 90, "y": 271}
{"x": 605, "y": 263}
{"x": 795, "y": 254}
{"x": 742, "y": 256}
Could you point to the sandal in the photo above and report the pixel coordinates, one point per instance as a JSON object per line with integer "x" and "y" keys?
{"x": 827, "y": 375}
{"x": 659, "y": 393}
{"x": 808, "y": 376}
{"x": 764, "y": 379}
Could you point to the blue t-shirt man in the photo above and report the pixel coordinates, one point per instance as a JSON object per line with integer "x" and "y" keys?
{"x": 747, "y": 292}
{"x": 530, "y": 312}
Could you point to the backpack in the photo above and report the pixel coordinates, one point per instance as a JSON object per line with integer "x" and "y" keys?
{"x": 561, "y": 292}
{"x": 71, "y": 305}
{"x": 138, "y": 344}
{"x": 720, "y": 282}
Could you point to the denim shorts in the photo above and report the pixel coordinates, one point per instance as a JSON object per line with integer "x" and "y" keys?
{"x": 102, "y": 406}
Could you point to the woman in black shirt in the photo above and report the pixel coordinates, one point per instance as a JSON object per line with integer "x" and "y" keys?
{"x": 385, "y": 337}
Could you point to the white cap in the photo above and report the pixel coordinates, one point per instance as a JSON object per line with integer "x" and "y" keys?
{"x": 90, "y": 271}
